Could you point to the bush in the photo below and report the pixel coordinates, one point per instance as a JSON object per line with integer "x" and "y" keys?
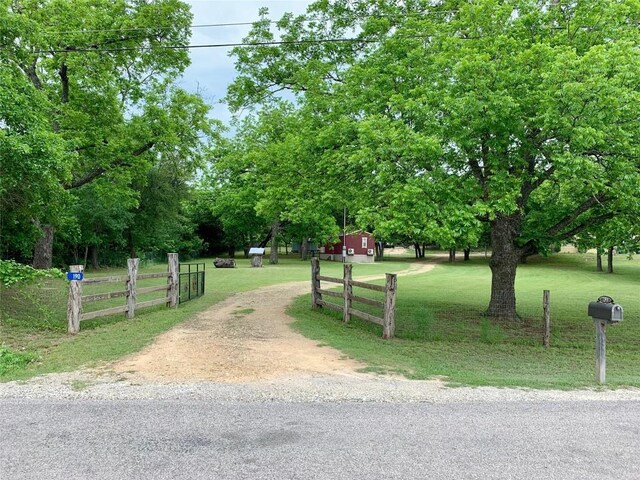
{"x": 10, "y": 360}
{"x": 12, "y": 273}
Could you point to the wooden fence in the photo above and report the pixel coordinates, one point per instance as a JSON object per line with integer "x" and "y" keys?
{"x": 130, "y": 292}
{"x": 387, "y": 320}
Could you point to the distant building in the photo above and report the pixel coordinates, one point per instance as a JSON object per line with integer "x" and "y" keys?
{"x": 360, "y": 248}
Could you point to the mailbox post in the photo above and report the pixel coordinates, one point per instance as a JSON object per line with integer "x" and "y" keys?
{"x": 604, "y": 312}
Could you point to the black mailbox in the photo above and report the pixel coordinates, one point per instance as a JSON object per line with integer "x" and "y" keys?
{"x": 605, "y": 309}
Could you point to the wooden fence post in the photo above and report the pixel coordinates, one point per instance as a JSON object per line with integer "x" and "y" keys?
{"x": 316, "y": 297}
{"x": 547, "y": 318}
{"x": 348, "y": 291}
{"x": 389, "y": 325}
{"x": 132, "y": 268}
{"x": 74, "y": 302}
{"x": 172, "y": 280}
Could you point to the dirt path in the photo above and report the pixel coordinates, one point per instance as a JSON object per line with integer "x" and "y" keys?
{"x": 242, "y": 339}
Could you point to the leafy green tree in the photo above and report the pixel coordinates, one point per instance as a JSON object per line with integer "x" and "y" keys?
{"x": 103, "y": 81}
{"x": 261, "y": 180}
{"x": 528, "y": 109}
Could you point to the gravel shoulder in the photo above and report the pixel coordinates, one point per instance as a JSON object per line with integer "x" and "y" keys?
{"x": 243, "y": 349}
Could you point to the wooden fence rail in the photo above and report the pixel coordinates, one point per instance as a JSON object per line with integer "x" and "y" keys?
{"x": 131, "y": 292}
{"x": 387, "y": 321}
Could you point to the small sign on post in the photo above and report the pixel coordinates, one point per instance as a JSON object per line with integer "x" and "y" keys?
{"x": 75, "y": 276}
{"x": 74, "y": 301}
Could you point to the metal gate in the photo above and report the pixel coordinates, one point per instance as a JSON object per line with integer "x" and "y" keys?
{"x": 191, "y": 281}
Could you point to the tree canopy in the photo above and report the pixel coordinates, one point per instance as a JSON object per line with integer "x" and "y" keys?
{"x": 518, "y": 113}
{"x": 97, "y": 109}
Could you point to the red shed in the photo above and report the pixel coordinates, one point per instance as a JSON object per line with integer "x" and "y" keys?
{"x": 360, "y": 248}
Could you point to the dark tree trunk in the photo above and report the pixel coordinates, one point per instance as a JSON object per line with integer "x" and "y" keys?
{"x": 424, "y": 250}
{"x": 379, "y": 250}
{"x": 452, "y": 255}
{"x": 610, "y": 260}
{"x": 131, "y": 245}
{"x": 598, "y": 260}
{"x": 504, "y": 261}
{"x": 231, "y": 251}
{"x": 304, "y": 249}
{"x": 94, "y": 257}
{"x": 416, "y": 246}
{"x": 273, "y": 256}
{"x": 467, "y": 253}
{"x": 43, "y": 250}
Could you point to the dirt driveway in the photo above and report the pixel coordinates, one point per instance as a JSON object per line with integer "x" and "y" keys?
{"x": 245, "y": 338}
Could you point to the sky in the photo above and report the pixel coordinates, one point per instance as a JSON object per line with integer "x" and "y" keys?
{"x": 212, "y": 69}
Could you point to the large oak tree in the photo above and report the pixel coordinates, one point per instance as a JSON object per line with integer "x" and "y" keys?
{"x": 527, "y": 109}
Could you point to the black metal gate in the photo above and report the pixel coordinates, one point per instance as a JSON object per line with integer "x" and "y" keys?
{"x": 191, "y": 281}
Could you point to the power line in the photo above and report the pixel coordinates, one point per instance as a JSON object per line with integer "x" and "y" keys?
{"x": 144, "y": 29}
{"x": 263, "y": 44}
{"x": 231, "y": 24}
{"x": 209, "y": 45}
{"x": 424, "y": 13}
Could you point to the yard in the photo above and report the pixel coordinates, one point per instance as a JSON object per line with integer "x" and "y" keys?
{"x": 440, "y": 327}
{"x": 441, "y": 330}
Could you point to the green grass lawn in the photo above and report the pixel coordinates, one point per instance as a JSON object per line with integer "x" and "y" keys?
{"x": 33, "y": 337}
{"x": 441, "y": 330}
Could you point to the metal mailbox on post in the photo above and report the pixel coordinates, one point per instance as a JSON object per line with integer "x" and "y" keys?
{"x": 605, "y": 309}
{"x": 604, "y": 312}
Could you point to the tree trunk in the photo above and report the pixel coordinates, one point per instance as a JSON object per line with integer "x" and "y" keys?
{"x": 467, "y": 253}
{"x": 94, "y": 257}
{"x": 304, "y": 249}
{"x": 452, "y": 255}
{"x": 273, "y": 256}
{"x": 598, "y": 260}
{"x": 43, "y": 250}
{"x": 379, "y": 250}
{"x": 231, "y": 251}
{"x": 610, "y": 260}
{"x": 131, "y": 245}
{"x": 504, "y": 261}
{"x": 423, "y": 250}
{"x": 224, "y": 263}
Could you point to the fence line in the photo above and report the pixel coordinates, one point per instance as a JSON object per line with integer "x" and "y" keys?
{"x": 76, "y": 299}
{"x": 387, "y": 320}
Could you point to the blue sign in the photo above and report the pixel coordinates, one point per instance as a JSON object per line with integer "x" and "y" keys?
{"x": 75, "y": 275}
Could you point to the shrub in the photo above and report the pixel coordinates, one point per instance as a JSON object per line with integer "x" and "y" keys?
{"x": 12, "y": 273}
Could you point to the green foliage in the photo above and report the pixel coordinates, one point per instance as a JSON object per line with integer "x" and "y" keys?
{"x": 11, "y": 360}
{"x": 14, "y": 273}
{"x": 89, "y": 114}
